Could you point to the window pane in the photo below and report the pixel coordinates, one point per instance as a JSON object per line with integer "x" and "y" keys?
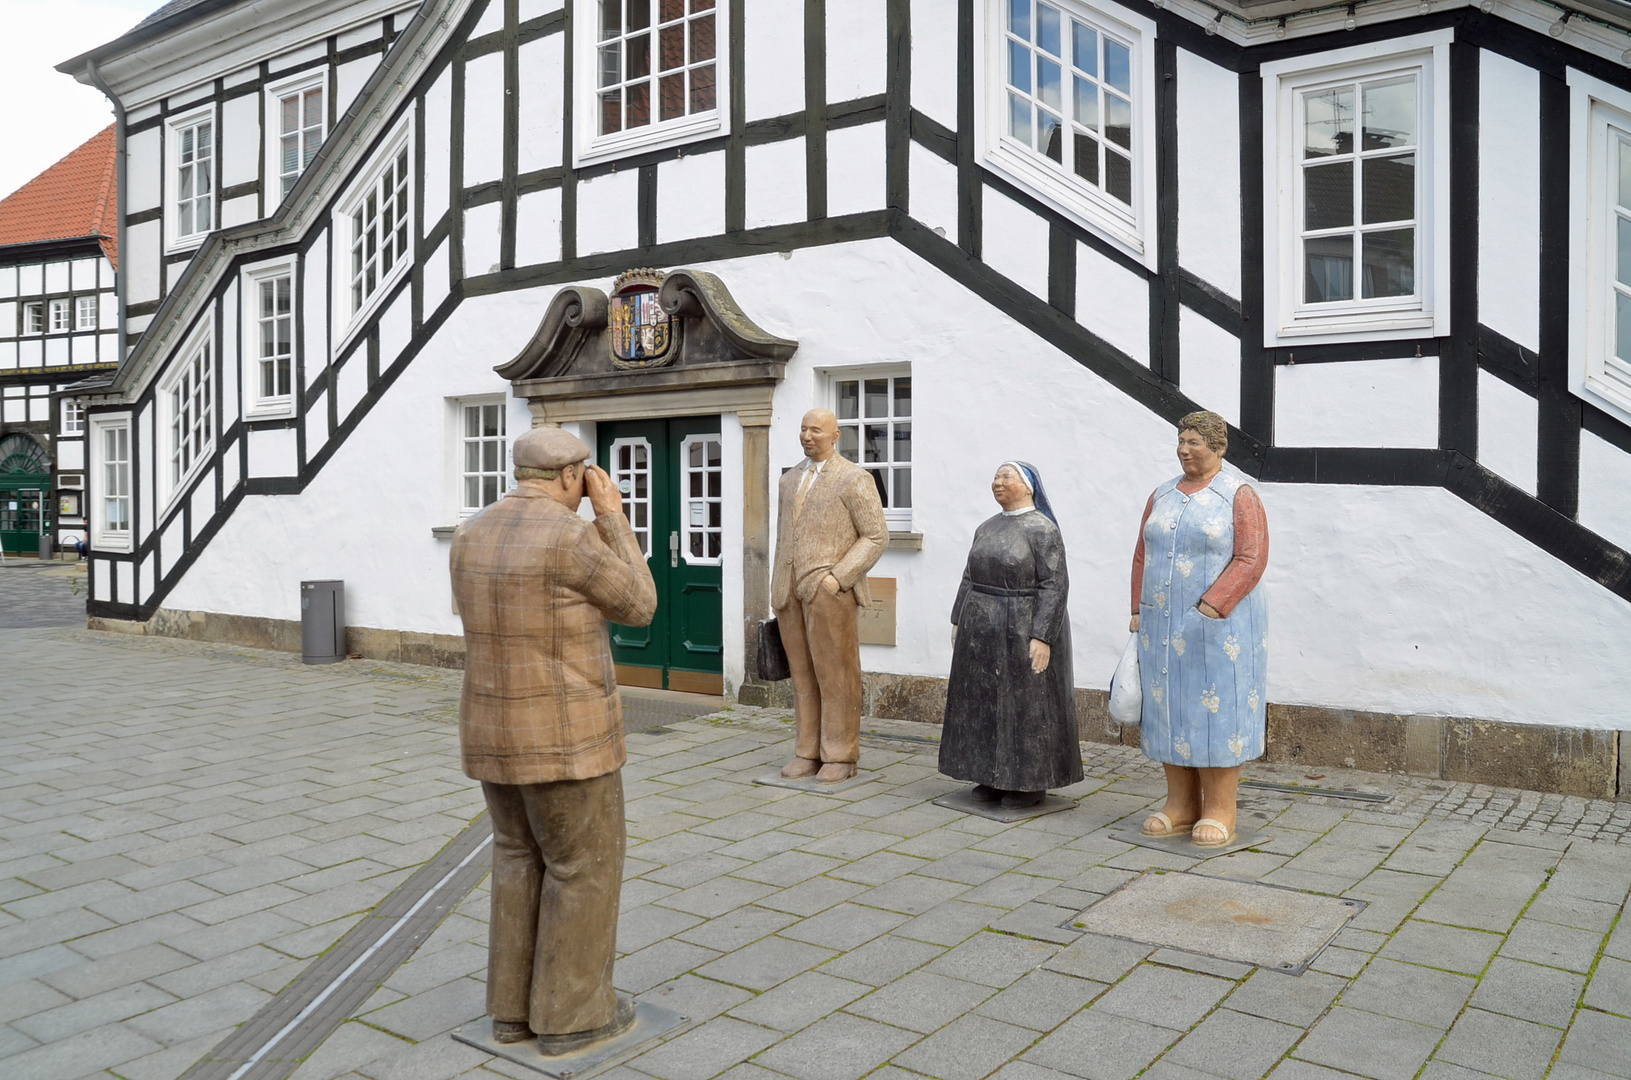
{"x": 639, "y": 56}
{"x": 877, "y": 442}
{"x": 637, "y": 106}
{"x": 1390, "y": 113}
{"x": 1118, "y": 176}
{"x": 639, "y": 15}
{"x": 489, "y": 490}
{"x": 1019, "y": 18}
{"x": 610, "y": 71}
{"x": 1019, "y": 67}
{"x": 849, "y": 442}
{"x": 714, "y": 489}
{"x": 1625, "y": 174}
{"x": 903, "y": 488}
{"x": 472, "y": 422}
{"x": 1624, "y": 261}
{"x": 877, "y": 397}
{"x": 314, "y": 108}
{"x": 903, "y": 443}
{"x": 671, "y": 48}
{"x": 1328, "y": 269}
{"x": 1084, "y": 48}
{"x": 611, "y": 22}
{"x": 1622, "y": 326}
{"x": 1047, "y": 82}
{"x": 1019, "y": 118}
{"x": 1389, "y": 189}
{"x": 289, "y": 108}
{"x": 1049, "y": 136}
{"x": 492, "y": 420}
{"x": 1118, "y": 120}
{"x": 848, "y": 400}
{"x": 1047, "y": 29}
{"x": 1118, "y": 66}
{"x": 1087, "y": 158}
{"x": 671, "y": 91}
{"x": 670, "y": 9}
{"x": 880, "y": 477}
{"x": 1087, "y": 103}
{"x": 716, "y": 455}
{"x": 1390, "y": 263}
{"x": 903, "y": 397}
{"x": 1328, "y": 196}
{"x": 704, "y": 96}
{"x": 472, "y": 491}
{"x": 1328, "y": 123}
{"x": 702, "y": 38}
{"x": 489, "y": 456}
{"x": 611, "y": 113}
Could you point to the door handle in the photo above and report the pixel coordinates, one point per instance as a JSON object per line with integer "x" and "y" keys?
{"x": 673, "y": 549}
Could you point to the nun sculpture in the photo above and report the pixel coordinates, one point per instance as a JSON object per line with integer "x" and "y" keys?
{"x": 1010, "y": 723}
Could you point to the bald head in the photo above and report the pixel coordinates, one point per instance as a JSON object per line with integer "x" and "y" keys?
{"x": 818, "y": 434}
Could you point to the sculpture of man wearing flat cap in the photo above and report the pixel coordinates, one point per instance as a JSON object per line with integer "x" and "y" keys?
{"x": 830, "y": 530}
{"x": 541, "y": 726}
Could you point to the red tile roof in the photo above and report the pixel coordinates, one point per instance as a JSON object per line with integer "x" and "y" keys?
{"x": 77, "y": 197}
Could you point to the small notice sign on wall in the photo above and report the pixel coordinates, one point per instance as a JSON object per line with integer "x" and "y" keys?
{"x": 876, "y": 624}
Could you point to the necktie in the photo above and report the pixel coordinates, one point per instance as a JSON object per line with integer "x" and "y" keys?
{"x": 804, "y": 488}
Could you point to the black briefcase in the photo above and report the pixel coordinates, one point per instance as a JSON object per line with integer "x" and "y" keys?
{"x": 772, "y": 656}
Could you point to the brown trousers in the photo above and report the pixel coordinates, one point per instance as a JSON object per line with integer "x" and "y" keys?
{"x": 824, "y": 655}
{"x": 557, "y": 876}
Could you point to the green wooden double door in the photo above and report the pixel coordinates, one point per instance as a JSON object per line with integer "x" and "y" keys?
{"x": 24, "y": 517}
{"x": 671, "y": 474}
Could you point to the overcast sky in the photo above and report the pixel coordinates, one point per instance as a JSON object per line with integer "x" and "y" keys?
{"x": 48, "y": 113}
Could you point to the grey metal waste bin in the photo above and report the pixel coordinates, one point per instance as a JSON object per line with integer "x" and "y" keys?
{"x": 322, "y": 621}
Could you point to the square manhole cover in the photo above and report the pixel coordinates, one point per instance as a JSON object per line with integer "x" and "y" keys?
{"x": 1226, "y": 918}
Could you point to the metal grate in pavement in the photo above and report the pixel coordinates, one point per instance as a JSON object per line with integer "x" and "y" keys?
{"x": 1225, "y": 918}
{"x": 295, "y": 1022}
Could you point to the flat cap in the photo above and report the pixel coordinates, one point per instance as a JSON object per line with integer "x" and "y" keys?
{"x": 549, "y": 448}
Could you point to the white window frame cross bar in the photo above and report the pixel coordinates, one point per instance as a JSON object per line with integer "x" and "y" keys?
{"x": 631, "y": 472}
{"x": 702, "y": 487}
{"x": 1289, "y": 319}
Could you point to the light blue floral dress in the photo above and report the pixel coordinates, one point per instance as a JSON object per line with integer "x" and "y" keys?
{"x": 1204, "y": 680}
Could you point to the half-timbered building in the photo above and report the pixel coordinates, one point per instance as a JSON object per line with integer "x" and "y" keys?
{"x": 367, "y": 242}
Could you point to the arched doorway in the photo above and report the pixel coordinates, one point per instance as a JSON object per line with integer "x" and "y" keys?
{"x": 25, "y": 488}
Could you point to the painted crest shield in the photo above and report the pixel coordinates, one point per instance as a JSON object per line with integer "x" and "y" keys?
{"x": 641, "y": 331}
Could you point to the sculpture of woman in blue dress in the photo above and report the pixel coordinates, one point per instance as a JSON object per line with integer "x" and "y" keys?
{"x": 1010, "y": 721}
{"x": 1202, "y": 626}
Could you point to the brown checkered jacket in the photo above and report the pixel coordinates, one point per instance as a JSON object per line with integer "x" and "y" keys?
{"x": 535, "y": 585}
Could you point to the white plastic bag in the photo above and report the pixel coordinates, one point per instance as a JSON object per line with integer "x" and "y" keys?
{"x": 1126, "y": 692}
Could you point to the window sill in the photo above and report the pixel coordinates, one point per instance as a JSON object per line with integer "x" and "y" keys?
{"x": 282, "y": 410}
{"x": 112, "y": 545}
{"x": 662, "y": 137}
{"x": 1120, "y": 227}
{"x": 443, "y": 532}
{"x": 1390, "y": 327}
{"x": 905, "y": 540}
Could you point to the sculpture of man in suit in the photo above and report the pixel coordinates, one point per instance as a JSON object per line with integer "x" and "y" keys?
{"x": 541, "y": 726}
{"x": 830, "y": 531}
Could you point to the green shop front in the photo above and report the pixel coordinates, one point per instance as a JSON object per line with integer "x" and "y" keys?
{"x": 25, "y": 494}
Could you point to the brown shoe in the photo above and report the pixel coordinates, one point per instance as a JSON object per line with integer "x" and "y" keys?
{"x": 622, "y": 1020}
{"x": 511, "y": 1031}
{"x": 800, "y": 768}
{"x": 835, "y": 772}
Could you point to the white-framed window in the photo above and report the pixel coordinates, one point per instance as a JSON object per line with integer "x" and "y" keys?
{"x": 85, "y": 313}
{"x": 192, "y": 174}
{"x": 34, "y": 317}
{"x": 651, "y": 74}
{"x": 187, "y": 399}
{"x": 1068, "y": 112}
{"x": 377, "y": 231}
{"x": 111, "y": 465}
{"x": 73, "y": 417}
{"x": 630, "y": 469}
{"x": 1356, "y": 203}
{"x": 60, "y": 323}
{"x": 483, "y": 454}
{"x": 298, "y": 117}
{"x": 702, "y": 479}
{"x": 874, "y": 410}
{"x": 1600, "y": 244}
{"x": 269, "y": 339}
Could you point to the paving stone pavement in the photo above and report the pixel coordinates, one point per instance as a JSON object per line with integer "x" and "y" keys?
{"x": 39, "y": 594}
{"x": 184, "y": 827}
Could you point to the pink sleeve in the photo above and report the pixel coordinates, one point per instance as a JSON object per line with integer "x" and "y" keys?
{"x": 1245, "y": 570}
{"x": 1138, "y": 554}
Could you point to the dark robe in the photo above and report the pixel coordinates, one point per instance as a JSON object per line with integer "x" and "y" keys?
{"x": 1006, "y": 726}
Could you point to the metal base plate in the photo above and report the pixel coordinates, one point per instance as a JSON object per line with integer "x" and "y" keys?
{"x": 962, "y": 800}
{"x": 650, "y": 1022}
{"x": 810, "y": 783}
{"x": 1183, "y": 845}
{"x": 1247, "y": 922}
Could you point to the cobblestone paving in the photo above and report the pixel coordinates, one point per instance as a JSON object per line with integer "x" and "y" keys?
{"x": 40, "y": 594}
{"x": 183, "y": 827}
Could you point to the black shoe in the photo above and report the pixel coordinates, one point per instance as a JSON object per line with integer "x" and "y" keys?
{"x": 1019, "y": 800}
{"x": 556, "y": 1045}
{"x": 511, "y": 1031}
{"x": 982, "y": 793}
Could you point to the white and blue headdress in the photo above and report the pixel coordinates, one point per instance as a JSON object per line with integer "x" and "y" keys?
{"x": 1033, "y": 480}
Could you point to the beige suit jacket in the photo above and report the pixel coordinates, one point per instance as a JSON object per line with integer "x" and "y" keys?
{"x": 841, "y": 531}
{"x": 535, "y": 585}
